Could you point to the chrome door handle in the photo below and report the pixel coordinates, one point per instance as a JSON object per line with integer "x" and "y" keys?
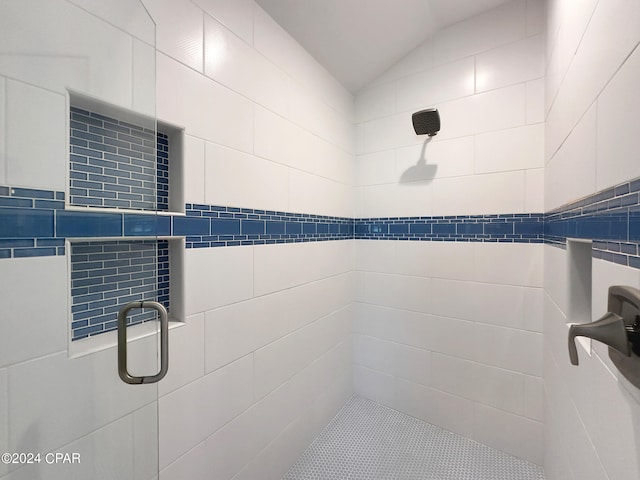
{"x": 122, "y": 343}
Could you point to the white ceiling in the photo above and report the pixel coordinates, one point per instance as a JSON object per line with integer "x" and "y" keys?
{"x": 357, "y": 40}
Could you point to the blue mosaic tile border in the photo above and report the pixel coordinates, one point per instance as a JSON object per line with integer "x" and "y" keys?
{"x": 115, "y": 164}
{"x": 27, "y": 222}
{"x": 106, "y": 275}
{"x": 217, "y": 226}
{"x": 611, "y": 218}
{"x": 523, "y": 228}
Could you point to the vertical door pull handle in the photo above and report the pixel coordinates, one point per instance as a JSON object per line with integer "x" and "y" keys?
{"x": 122, "y": 343}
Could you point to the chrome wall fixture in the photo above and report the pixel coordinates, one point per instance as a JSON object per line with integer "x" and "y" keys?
{"x": 163, "y": 317}
{"x": 619, "y": 328}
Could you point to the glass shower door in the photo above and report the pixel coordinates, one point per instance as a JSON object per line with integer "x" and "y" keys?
{"x": 78, "y": 240}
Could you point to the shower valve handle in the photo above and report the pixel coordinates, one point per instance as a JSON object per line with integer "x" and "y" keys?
{"x": 609, "y": 330}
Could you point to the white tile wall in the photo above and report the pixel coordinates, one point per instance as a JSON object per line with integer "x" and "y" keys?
{"x": 513, "y": 63}
{"x": 214, "y": 277}
{"x": 4, "y": 416}
{"x": 239, "y": 179}
{"x": 194, "y": 170}
{"x": 187, "y": 354}
{"x": 33, "y": 111}
{"x": 53, "y": 59}
{"x": 3, "y": 153}
{"x": 236, "y": 15}
{"x": 179, "y": 30}
{"x": 33, "y": 329}
{"x": 616, "y": 139}
{"x": 512, "y": 149}
{"x": 497, "y": 27}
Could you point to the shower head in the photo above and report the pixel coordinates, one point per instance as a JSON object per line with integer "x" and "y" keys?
{"x": 426, "y": 122}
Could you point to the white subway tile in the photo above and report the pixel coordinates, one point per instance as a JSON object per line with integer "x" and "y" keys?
{"x": 455, "y": 376}
{"x": 43, "y": 413}
{"x": 507, "y": 348}
{"x": 187, "y": 354}
{"x": 374, "y": 385}
{"x": 447, "y": 411}
{"x": 3, "y": 152}
{"x": 130, "y": 17}
{"x": 144, "y": 78}
{"x": 494, "y": 264}
{"x": 229, "y": 389}
{"x": 510, "y": 64}
{"x": 533, "y": 398}
{"x": 439, "y": 84}
{"x": 194, "y": 170}
{"x": 397, "y": 291}
{"x": 317, "y": 195}
{"x": 4, "y": 416}
{"x": 413, "y": 364}
{"x": 375, "y": 101}
{"x": 242, "y": 180}
{"x": 373, "y": 353}
{"x": 281, "y": 266}
{"x": 375, "y": 168}
{"x": 457, "y": 117}
{"x": 236, "y": 330}
{"x": 179, "y": 30}
{"x": 217, "y": 276}
{"x": 536, "y": 17}
{"x": 483, "y": 194}
{"x": 534, "y": 98}
{"x": 616, "y": 429}
{"x": 534, "y": 190}
{"x": 110, "y": 450}
{"x": 533, "y": 313}
{"x": 191, "y": 106}
{"x": 594, "y": 64}
{"x": 571, "y": 172}
{"x": 498, "y": 109}
{"x": 50, "y": 56}
{"x": 510, "y": 433}
{"x": 499, "y": 26}
{"x": 190, "y": 465}
{"x": 388, "y": 132}
{"x": 418, "y": 60}
{"x": 236, "y": 15}
{"x": 230, "y": 61}
{"x": 32, "y": 329}
{"x": 411, "y": 199}
{"x": 511, "y": 149}
{"x": 374, "y": 256}
{"x": 452, "y": 260}
{"x": 447, "y": 158}
{"x": 277, "y": 45}
{"x": 277, "y": 362}
{"x": 31, "y": 111}
{"x": 145, "y": 453}
{"x": 617, "y": 140}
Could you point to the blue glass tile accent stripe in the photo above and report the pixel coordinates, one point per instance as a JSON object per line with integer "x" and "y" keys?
{"x": 115, "y": 164}
{"x": 232, "y": 226}
{"x": 528, "y": 228}
{"x": 106, "y": 275}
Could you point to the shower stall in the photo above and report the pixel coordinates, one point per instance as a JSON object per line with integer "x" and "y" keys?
{"x": 218, "y": 262}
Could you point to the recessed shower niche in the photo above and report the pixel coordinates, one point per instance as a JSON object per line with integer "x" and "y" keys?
{"x": 125, "y": 174}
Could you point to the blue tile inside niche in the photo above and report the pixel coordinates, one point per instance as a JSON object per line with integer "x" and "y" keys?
{"x": 107, "y": 275}
{"x": 116, "y": 164}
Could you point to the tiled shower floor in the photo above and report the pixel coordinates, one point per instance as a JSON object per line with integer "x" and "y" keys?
{"x": 367, "y": 441}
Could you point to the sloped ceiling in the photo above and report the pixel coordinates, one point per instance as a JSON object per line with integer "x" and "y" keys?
{"x": 357, "y": 40}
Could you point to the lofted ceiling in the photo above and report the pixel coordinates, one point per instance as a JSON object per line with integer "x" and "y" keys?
{"x": 357, "y": 40}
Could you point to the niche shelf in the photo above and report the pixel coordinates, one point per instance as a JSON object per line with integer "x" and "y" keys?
{"x": 122, "y": 162}
{"x": 579, "y": 264}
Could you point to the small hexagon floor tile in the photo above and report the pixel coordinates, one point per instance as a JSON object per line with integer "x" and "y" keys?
{"x": 368, "y": 441}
